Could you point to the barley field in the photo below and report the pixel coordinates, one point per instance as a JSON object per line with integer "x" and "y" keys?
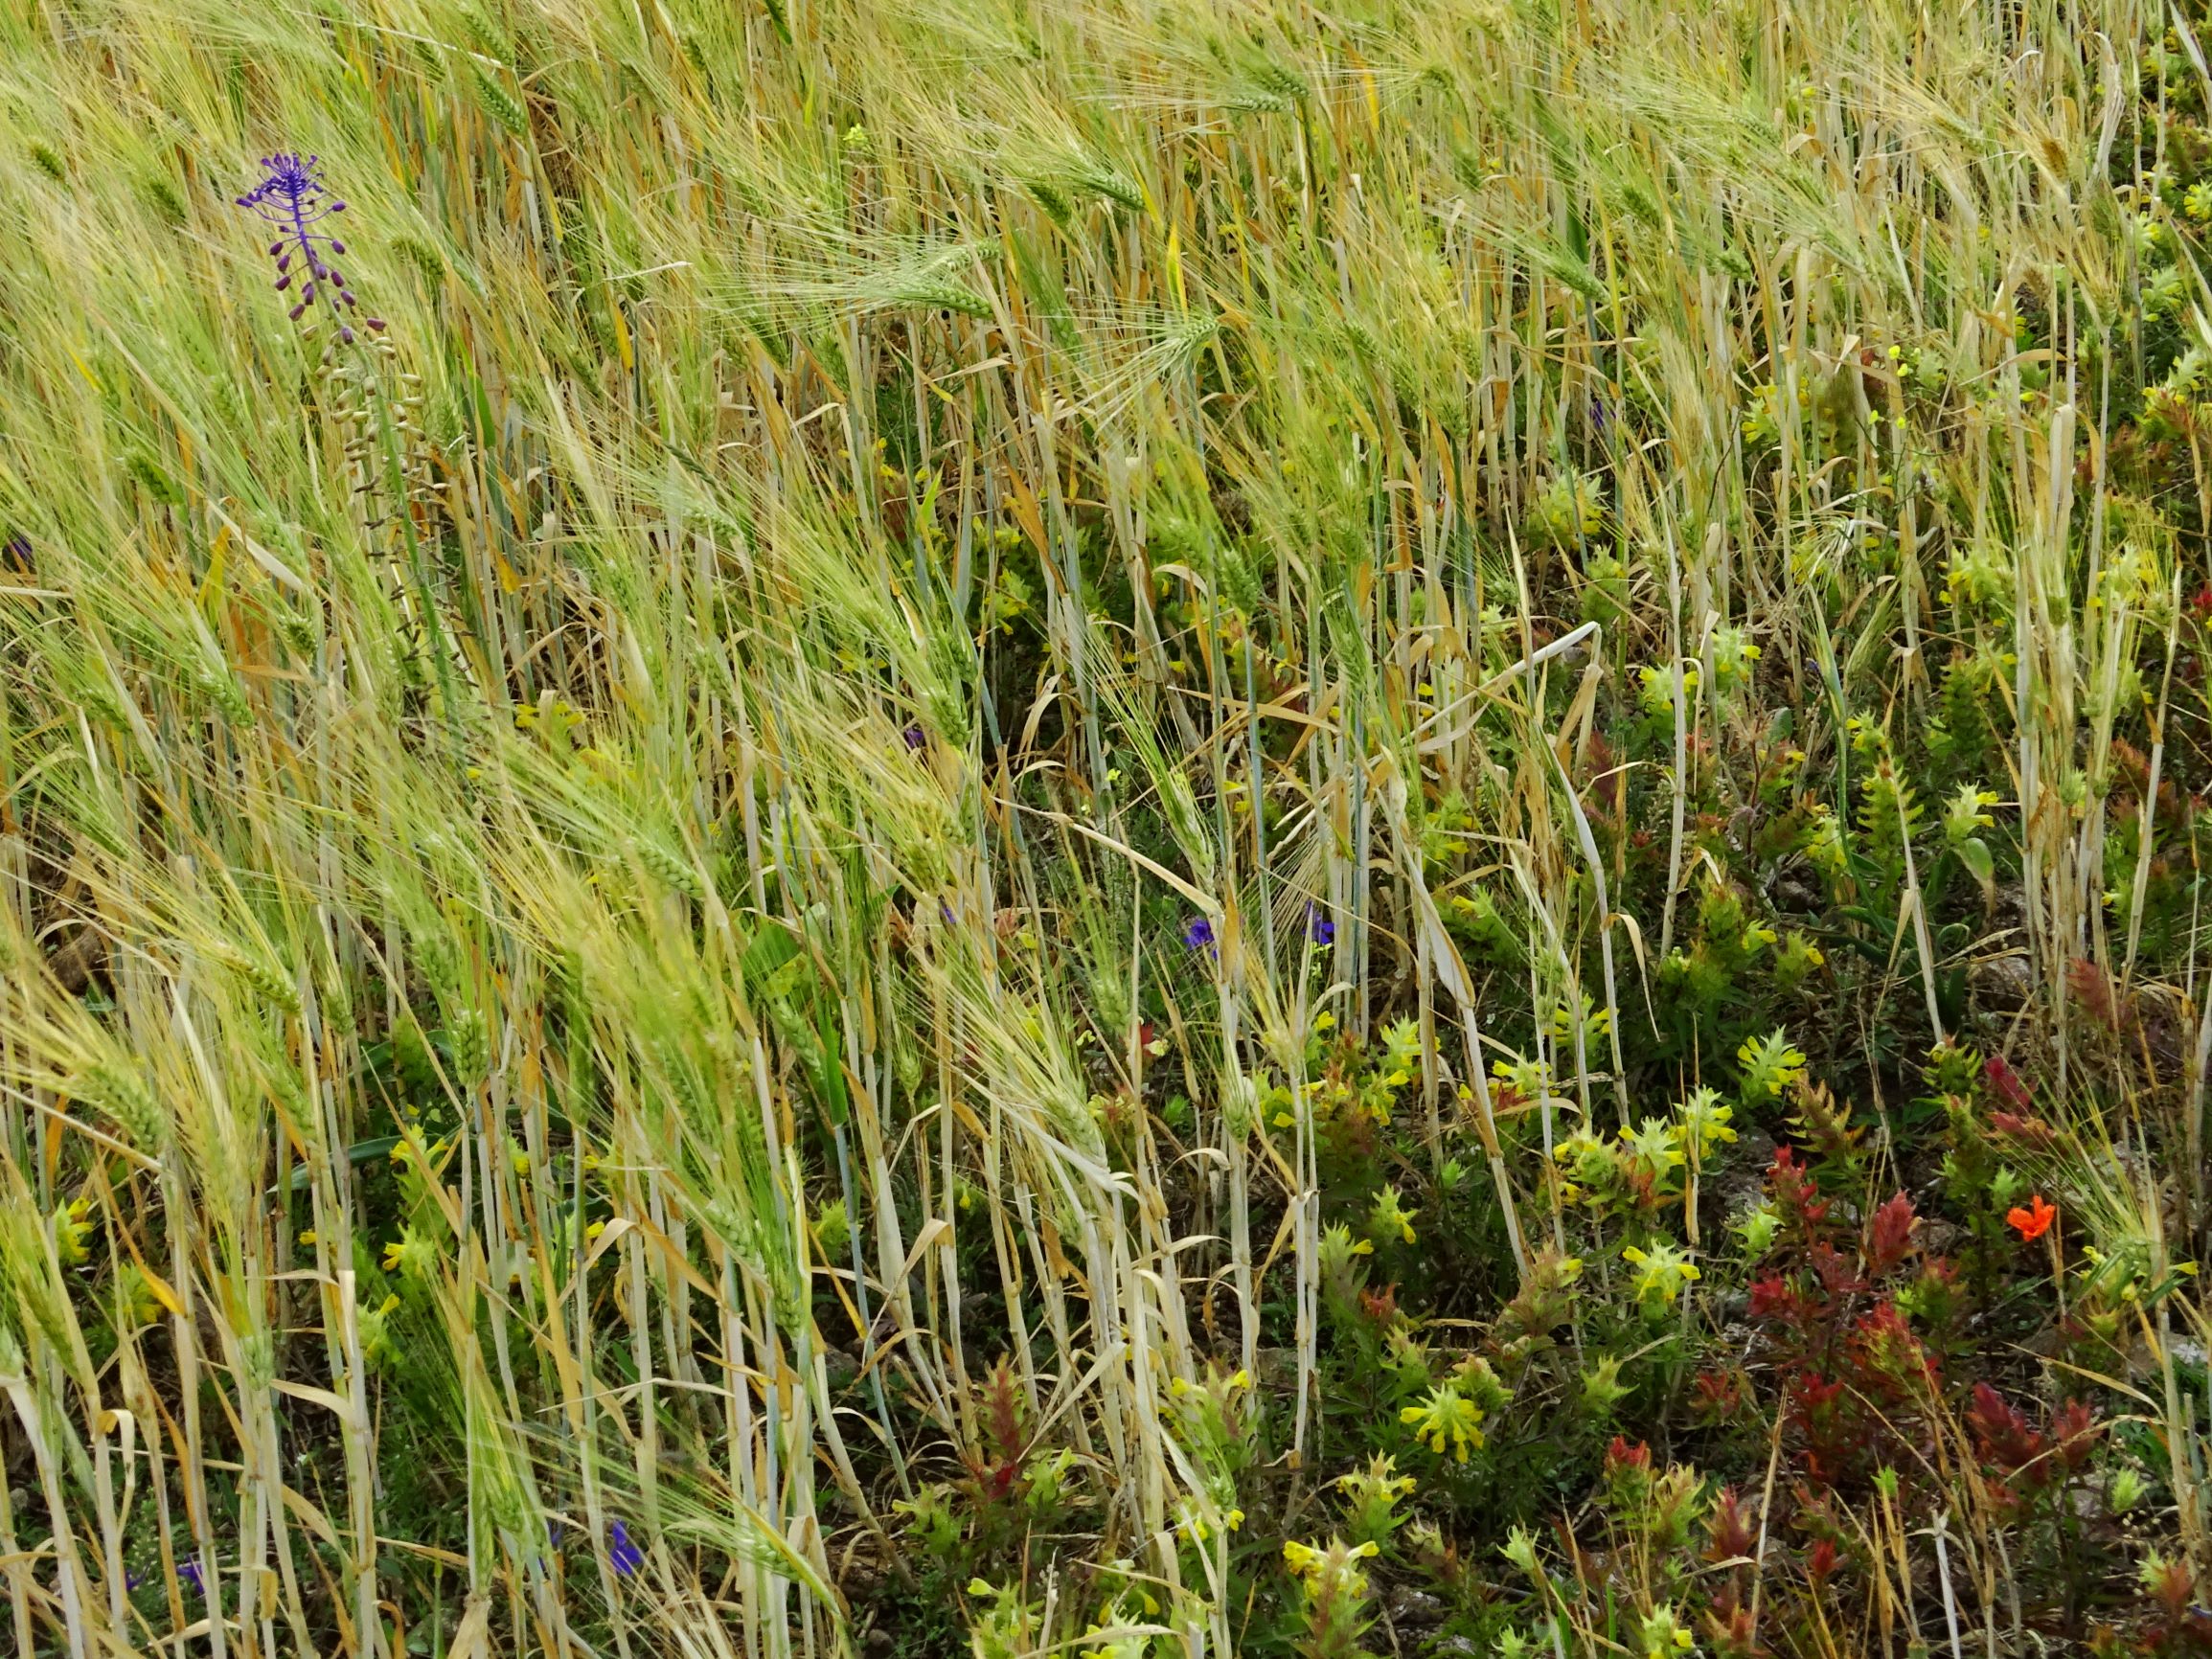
{"x": 1138, "y": 828}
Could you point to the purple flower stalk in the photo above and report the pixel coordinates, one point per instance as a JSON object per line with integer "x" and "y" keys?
{"x": 291, "y": 197}
{"x": 915, "y": 736}
{"x": 626, "y": 1556}
{"x": 1319, "y": 928}
{"x": 1199, "y": 934}
{"x": 190, "y": 1573}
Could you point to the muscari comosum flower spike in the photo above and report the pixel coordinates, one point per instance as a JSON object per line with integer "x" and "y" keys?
{"x": 292, "y": 196}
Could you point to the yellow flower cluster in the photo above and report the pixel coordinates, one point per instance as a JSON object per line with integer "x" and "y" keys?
{"x": 1446, "y": 1417}
{"x": 1306, "y": 1560}
{"x": 1661, "y": 1272}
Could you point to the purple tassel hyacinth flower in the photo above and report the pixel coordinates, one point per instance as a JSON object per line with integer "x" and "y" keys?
{"x": 293, "y": 198}
{"x": 626, "y": 1556}
{"x": 1199, "y": 934}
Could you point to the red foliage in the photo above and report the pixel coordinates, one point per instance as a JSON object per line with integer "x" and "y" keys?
{"x": 2002, "y": 1433}
{"x": 1730, "y": 1533}
{"x": 2030, "y": 1132}
{"x": 1716, "y": 1397}
{"x": 1729, "y": 1627}
{"x": 1608, "y": 778}
{"x": 1890, "y": 1236}
{"x": 1732, "y": 1536}
{"x": 2005, "y": 1500}
{"x": 2091, "y": 986}
{"x": 1830, "y": 1434}
{"x": 2007, "y": 1083}
{"x": 1002, "y": 1411}
{"x": 1835, "y": 1270}
{"x": 1794, "y": 1191}
{"x": 2074, "y": 1428}
{"x": 1812, "y": 1394}
{"x": 1887, "y": 1353}
{"x": 1380, "y": 1306}
{"x": 1821, "y": 1563}
{"x": 1000, "y": 1473}
{"x": 1774, "y": 1297}
{"x": 1629, "y": 1472}
{"x": 2185, "y": 1632}
{"x": 2172, "y": 1585}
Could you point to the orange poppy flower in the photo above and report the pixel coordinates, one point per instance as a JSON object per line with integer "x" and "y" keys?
{"x": 2033, "y": 1222}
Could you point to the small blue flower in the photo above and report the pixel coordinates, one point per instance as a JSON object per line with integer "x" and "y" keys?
{"x": 626, "y": 1556}
{"x": 292, "y": 196}
{"x": 1199, "y": 934}
{"x": 190, "y": 1571}
{"x": 17, "y": 553}
{"x": 915, "y": 736}
{"x": 1319, "y": 928}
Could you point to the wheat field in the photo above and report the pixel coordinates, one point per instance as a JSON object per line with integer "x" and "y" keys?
{"x": 1148, "y": 828}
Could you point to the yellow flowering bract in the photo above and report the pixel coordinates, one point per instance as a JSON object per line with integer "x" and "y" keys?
{"x": 1446, "y": 1418}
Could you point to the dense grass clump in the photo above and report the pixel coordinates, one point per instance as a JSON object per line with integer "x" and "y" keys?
{"x": 1158, "y": 829}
